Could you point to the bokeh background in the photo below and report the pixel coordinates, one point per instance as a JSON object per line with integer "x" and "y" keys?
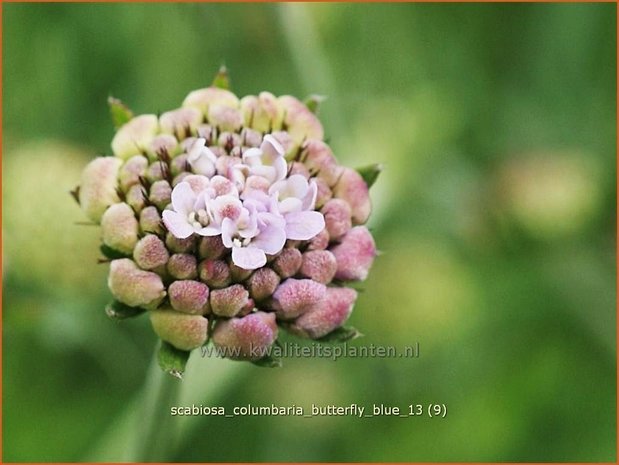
{"x": 495, "y": 215}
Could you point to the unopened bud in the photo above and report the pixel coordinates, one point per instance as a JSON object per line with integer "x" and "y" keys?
{"x": 355, "y": 254}
{"x": 262, "y": 283}
{"x": 327, "y": 315}
{"x": 155, "y": 172}
{"x": 287, "y": 262}
{"x": 176, "y": 245}
{"x": 319, "y": 265}
{"x": 160, "y": 193}
{"x": 182, "y": 122}
{"x": 202, "y": 99}
{"x": 320, "y": 241}
{"x": 133, "y": 286}
{"x": 215, "y": 273}
{"x": 131, "y": 171}
{"x": 211, "y": 247}
{"x": 246, "y": 338}
{"x": 337, "y": 215}
{"x": 224, "y": 117}
{"x": 352, "y": 188}
{"x": 251, "y": 137}
{"x": 293, "y": 297}
{"x": 189, "y": 296}
{"x": 120, "y": 228}
{"x": 229, "y": 301}
{"x": 135, "y": 197}
{"x": 299, "y": 121}
{"x": 321, "y": 162}
{"x": 262, "y": 112}
{"x": 150, "y": 252}
{"x": 163, "y": 143}
{"x": 150, "y": 220}
{"x": 324, "y": 193}
{"x": 237, "y": 273}
{"x": 179, "y": 164}
{"x": 182, "y": 266}
{"x": 183, "y": 331}
{"x": 135, "y": 136}
{"x": 98, "y": 186}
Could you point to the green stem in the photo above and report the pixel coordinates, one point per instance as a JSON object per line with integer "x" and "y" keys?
{"x": 155, "y": 433}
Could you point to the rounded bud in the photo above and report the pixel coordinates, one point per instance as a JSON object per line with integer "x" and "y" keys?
{"x": 160, "y": 193}
{"x": 225, "y": 118}
{"x": 179, "y": 164}
{"x": 182, "y": 266}
{"x": 320, "y": 161}
{"x": 251, "y": 137}
{"x": 262, "y": 283}
{"x": 183, "y": 331}
{"x": 150, "y": 220}
{"x": 215, "y": 273}
{"x": 299, "y": 121}
{"x": 211, "y": 247}
{"x": 133, "y": 286}
{"x": 293, "y": 297}
{"x": 131, "y": 171}
{"x": 162, "y": 144}
{"x": 183, "y": 121}
{"x": 319, "y": 265}
{"x": 288, "y": 262}
{"x": 97, "y": 190}
{"x": 355, "y": 254}
{"x": 120, "y": 228}
{"x": 324, "y": 193}
{"x": 229, "y": 301}
{"x": 246, "y": 338}
{"x": 296, "y": 167}
{"x": 189, "y": 296}
{"x": 337, "y": 215}
{"x": 135, "y": 136}
{"x": 320, "y": 241}
{"x": 150, "y": 252}
{"x": 238, "y": 274}
{"x": 329, "y": 314}
{"x": 352, "y": 188}
{"x": 155, "y": 172}
{"x": 262, "y": 112}
{"x": 135, "y": 197}
{"x": 202, "y": 99}
{"x": 176, "y": 245}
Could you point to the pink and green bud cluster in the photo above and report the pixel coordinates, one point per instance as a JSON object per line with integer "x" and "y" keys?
{"x": 228, "y": 219}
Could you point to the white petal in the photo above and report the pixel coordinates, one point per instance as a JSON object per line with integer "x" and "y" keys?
{"x": 271, "y": 239}
{"x": 248, "y": 258}
{"x": 177, "y": 224}
{"x": 304, "y": 225}
{"x": 183, "y": 198}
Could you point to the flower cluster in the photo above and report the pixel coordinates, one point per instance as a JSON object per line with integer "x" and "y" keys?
{"x": 228, "y": 219}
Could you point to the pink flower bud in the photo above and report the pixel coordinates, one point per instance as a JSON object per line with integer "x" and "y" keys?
{"x": 215, "y": 273}
{"x": 229, "y": 139}
{"x": 355, "y": 254}
{"x": 320, "y": 241}
{"x": 288, "y": 262}
{"x": 154, "y": 172}
{"x": 262, "y": 283}
{"x": 189, "y": 296}
{"x": 176, "y": 245}
{"x": 183, "y": 121}
{"x": 98, "y": 186}
{"x": 299, "y": 121}
{"x": 293, "y": 297}
{"x": 135, "y": 197}
{"x": 202, "y": 99}
{"x": 133, "y": 286}
{"x": 211, "y": 247}
{"x": 324, "y": 193}
{"x": 179, "y": 164}
{"x": 182, "y": 266}
{"x": 120, "y": 228}
{"x": 229, "y": 301}
{"x": 246, "y": 338}
{"x": 247, "y": 308}
{"x": 150, "y": 252}
{"x": 160, "y": 193}
{"x": 337, "y": 215}
{"x": 224, "y": 163}
{"x": 262, "y": 113}
{"x": 251, "y": 137}
{"x": 150, "y": 220}
{"x": 352, "y": 188}
{"x": 296, "y": 167}
{"x": 225, "y": 118}
{"x": 329, "y": 314}
{"x": 163, "y": 143}
{"x": 319, "y": 265}
{"x": 135, "y": 136}
{"x": 131, "y": 171}
{"x": 237, "y": 273}
{"x": 183, "y": 331}
{"x": 321, "y": 162}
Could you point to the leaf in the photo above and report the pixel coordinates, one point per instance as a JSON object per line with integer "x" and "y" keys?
{"x": 172, "y": 360}
{"x": 312, "y": 102}
{"x": 268, "y": 362}
{"x": 222, "y": 79}
{"x": 341, "y": 334}
{"x": 111, "y": 253}
{"x": 119, "y": 311}
{"x": 119, "y": 111}
{"x": 370, "y": 173}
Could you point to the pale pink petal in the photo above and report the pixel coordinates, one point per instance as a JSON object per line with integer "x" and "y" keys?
{"x": 177, "y": 224}
{"x": 304, "y": 225}
{"x": 271, "y": 239}
{"x": 289, "y": 205}
{"x": 209, "y": 231}
{"x": 281, "y": 168}
{"x": 228, "y": 229}
{"x": 271, "y": 147}
{"x": 309, "y": 200}
{"x": 225, "y": 206}
{"x": 252, "y": 156}
{"x": 183, "y": 198}
{"x": 248, "y": 258}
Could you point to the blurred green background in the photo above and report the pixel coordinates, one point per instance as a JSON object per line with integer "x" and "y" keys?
{"x": 495, "y": 216}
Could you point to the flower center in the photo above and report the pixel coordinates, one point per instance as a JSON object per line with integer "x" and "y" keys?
{"x": 240, "y": 242}
{"x": 198, "y": 219}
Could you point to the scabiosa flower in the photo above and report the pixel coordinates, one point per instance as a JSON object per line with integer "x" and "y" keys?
{"x": 228, "y": 220}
